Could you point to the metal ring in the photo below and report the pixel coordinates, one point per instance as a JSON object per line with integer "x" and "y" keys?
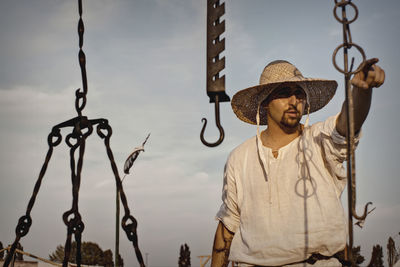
{"x": 54, "y": 133}
{"x": 80, "y": 100}
{"x": 130, "y": 228}
{"x": 74, "y": 136}
{"x": 104, "y": 126}
{"x": 350, "y": 45}
{"x": 125, "y": 221}
{"x": 74, "y": 221}
{"x": 345, "y": 21}
{"x": 24, "y": 223}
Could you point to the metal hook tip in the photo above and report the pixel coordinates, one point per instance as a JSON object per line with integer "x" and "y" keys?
{"x": 219, "y": 141}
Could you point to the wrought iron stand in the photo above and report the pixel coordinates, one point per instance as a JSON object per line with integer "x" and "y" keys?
{"x": 82, "y": 128}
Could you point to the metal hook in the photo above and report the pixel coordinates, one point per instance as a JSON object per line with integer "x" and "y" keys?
{"x": 217, "y": 122}
{"x": 366, "y": 212}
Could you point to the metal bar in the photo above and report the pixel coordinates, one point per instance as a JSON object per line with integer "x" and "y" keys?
{"x": 116, "y": 256}
{"x": 129, "y": 223}
{"x": 25, "y": 222}
{"x": 351, "y": 172}
{"x": 215, "y": 46}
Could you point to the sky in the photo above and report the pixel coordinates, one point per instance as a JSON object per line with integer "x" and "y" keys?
{"x": 147, "y": 74}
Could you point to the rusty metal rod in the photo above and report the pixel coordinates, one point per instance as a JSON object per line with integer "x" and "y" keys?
{"x": 348, "y": 71}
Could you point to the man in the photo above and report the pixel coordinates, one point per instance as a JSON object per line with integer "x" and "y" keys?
{"x": 281, "y": 193}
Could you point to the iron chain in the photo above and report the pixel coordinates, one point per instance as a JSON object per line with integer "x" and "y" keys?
{"x": 82, "y": 128}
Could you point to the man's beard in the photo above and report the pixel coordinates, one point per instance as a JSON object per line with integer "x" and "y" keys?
{"x": 290, "y": 123}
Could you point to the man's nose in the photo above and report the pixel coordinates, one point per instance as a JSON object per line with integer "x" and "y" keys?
{"x": 293, "y": 100}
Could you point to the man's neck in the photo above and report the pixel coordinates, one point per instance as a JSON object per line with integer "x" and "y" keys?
{"x": 276, "y": 137}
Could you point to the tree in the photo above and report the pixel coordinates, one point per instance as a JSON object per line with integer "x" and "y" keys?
{"x": 107, "y": 258}
{"x": 58, "y": 254}
{"x": 91, "y": 254}
{"x": 2, "y": 251}
{"x": 120, "y": 261}
{"x": 184, "y": 256}
{"x": 377, "y": 257}
{"x": 393, "y": 254}
{"x": 357, "y": 257}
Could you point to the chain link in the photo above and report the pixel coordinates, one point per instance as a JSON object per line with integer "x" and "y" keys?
{"x": 104, "y": 131}
{"x": 347, "y": 39}
{"x": 80, "y": 101}
{"x": 25, "y": 222}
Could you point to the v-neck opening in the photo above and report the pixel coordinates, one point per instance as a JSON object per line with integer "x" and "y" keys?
{"x": 281, "y": 149}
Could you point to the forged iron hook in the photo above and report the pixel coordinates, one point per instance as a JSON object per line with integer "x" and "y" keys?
{"x": 217, "y": 122}
{"x": 366, "y": 212}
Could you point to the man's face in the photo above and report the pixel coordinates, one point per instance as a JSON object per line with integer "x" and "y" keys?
{"x": 285, "y": 106}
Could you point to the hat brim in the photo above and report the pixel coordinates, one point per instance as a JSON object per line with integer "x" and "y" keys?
{"x": 245, "y": 102}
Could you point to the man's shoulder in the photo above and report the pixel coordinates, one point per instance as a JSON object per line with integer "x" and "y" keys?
{"x": 326, "y": 127}
{"x": 245, "y": 146}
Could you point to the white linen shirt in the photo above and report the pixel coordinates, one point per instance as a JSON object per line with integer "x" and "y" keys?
{"x": 290, "y": 208}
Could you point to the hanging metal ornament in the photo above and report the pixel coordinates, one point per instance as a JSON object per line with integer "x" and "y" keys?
{"x": 215, "y": 46}
{"x": 82, "y": 128}
{"x": 348, "y": 71}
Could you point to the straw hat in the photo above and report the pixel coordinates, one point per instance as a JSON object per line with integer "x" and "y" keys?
{"x": 245, "y": 102}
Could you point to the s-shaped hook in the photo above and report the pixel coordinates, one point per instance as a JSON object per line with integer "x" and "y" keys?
{"x": 217, "y": 122}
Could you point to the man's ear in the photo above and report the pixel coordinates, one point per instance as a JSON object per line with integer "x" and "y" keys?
{"x": 266, "y": 108}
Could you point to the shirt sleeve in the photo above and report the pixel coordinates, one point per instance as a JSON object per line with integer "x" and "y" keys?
{"x": 228, "y": 213}
{"x": 334, "y": 146}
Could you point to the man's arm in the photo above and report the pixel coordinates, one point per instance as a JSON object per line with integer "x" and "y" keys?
{"x": 363, "y": 82}
{"x": 222, "y": 243}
